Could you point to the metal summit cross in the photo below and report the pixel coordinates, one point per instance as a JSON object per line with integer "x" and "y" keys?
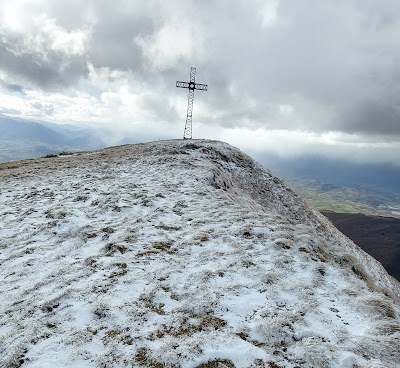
{"x": 187, "y": 134}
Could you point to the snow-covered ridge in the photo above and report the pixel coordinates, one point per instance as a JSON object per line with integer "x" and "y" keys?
{"x": 181, "y": 254}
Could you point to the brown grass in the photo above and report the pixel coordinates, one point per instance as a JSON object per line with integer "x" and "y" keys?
{"x": 217, "y": 363}
{"x": 143, "y": 359}
{"x": 190, "y": 328}
{"x": 381, "y": 306}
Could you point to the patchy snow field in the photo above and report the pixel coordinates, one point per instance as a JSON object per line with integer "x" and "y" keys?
{"x": 181, "y": 254}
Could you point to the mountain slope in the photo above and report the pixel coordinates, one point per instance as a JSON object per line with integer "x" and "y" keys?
{"x": 378, "y": 236}
{"x": 13, "y": 130}
{"x": 21, "y": 139}
{"x": 181, "y": 253}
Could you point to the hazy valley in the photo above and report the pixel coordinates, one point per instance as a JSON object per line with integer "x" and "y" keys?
{"x": 348, "y": 198}
{"x": 21, "y": 139}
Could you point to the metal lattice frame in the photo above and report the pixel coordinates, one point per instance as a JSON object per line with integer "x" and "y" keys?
{"x": 192, "y": 85}
{"x": 187, "y": 133}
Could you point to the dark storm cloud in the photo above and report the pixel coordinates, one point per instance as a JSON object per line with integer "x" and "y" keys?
{"x": 371, "y": 117}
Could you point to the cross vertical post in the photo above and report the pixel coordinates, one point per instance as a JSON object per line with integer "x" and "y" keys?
{"x": 192, "y": 85}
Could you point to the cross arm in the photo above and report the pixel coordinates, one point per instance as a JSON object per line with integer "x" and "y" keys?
{"x": 202, "y": 87}
{"x": 190, "y": 85}
{"x": 182, "y": 84}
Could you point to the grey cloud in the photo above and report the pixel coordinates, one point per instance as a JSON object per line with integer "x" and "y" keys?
{"x": 331, "y": 56}
{"x": 113, "y": 25}
{"x": 47, "y": 70}
{"x": 113, "y": 45}
{"x": 12, "y": 87}
{"x": 371, "y": 117}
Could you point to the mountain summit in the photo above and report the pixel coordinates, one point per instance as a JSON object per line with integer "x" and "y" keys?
{"x": 181, "y": 254}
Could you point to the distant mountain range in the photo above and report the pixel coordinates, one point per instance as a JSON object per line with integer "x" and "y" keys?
{"x": 22, "y": 139}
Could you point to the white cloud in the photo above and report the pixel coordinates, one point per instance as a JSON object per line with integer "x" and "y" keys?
{"x": 60, "y": 40}
{"x": 107, "y": 78}
{"x": 41, "y": 34}
{"x": 269, "y": 12}
{"x": 14, "y": 103}
{"x": 169, "y": 45}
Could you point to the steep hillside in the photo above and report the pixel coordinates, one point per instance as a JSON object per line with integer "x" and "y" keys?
{"x": 181, "y": 254}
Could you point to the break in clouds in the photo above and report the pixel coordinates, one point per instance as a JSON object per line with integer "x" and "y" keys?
{"x": 314, "y": 74}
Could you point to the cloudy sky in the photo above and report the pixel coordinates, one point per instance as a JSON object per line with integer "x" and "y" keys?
{"x": 284, "y": 76}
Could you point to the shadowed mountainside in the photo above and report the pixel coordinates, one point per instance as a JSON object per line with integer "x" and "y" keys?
{"x": 378, "y": 236}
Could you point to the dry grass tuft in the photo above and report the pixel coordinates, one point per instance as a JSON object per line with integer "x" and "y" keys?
{"x": 271, "y": 278}
{"x": 283, "y": 243}
{"x": 351, "y": 263}
{"x": 142, "y": 358}
{"x": 381, "y": 306}
{"x": 163, "y": 246}
{"x": 111, "y": 248}
{"x": 191, "y": 326}
{"x": 203, "y": 237}
{"x": 384, "y": 347}
{"x": 217, "y": 363}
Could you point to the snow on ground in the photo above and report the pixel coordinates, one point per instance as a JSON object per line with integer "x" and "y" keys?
{"x": 180, "y": 254}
